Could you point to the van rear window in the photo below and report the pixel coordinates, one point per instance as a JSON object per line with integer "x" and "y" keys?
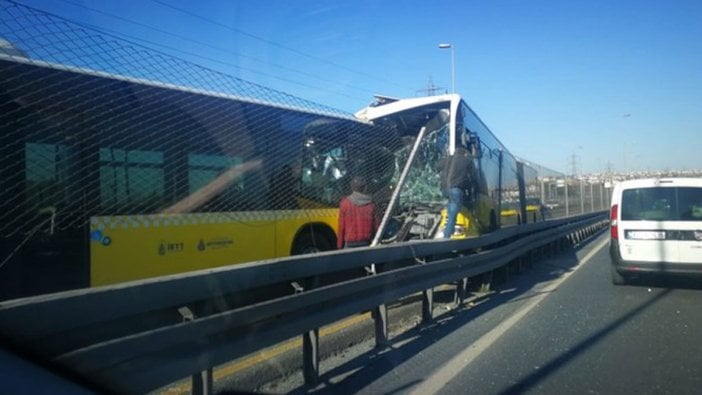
{"x": 662, "y": 204}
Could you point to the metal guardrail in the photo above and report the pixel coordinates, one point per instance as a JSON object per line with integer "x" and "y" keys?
{"x": 140, "y": 336}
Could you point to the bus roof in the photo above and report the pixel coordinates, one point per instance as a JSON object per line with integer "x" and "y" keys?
{"x": 387, "y": 107}
{"x": 314, "y": 108}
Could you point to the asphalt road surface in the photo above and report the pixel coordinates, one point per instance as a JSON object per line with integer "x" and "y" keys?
{"x": 561, "y": 327}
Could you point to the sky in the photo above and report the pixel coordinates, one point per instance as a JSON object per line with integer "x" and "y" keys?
{"x": 590, "y": 85}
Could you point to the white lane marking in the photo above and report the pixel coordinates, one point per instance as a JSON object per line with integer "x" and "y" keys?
{"x": 452, "y": 368}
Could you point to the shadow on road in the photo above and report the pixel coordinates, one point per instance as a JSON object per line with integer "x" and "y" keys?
{"x": 556, "y": 363}
{"x": 373, "y": 365}
{"x": 668, "y": 281}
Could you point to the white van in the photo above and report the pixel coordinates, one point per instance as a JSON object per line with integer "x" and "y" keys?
{"x": 656, "y": 226}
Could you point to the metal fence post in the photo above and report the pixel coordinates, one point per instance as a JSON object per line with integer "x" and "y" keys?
{"x": 567, "y": 204}
{"x": 582, "y": 196}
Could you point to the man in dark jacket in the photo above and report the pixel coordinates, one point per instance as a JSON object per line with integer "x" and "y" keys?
{"x": 455, "y": 179}
{"x": 358, "y": 219}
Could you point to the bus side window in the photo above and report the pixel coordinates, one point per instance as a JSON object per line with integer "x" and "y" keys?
{"x": 476, "y": 146}
{"x": 246, "y": 192}
{"x": 49, "y": 178}
{"x": 131, "y": 181}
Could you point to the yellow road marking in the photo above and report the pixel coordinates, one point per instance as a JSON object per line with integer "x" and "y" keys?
{"x": 284, "y": 347}
{"x": 262, "y": 356}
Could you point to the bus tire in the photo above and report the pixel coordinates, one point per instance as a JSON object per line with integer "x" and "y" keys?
{"x": 310, "y": 242}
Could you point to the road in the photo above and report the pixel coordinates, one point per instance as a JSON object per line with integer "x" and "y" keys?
{"x": 561, "y": 327}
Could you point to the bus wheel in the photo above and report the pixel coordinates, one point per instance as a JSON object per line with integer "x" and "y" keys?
{"x": 310, "y": 242}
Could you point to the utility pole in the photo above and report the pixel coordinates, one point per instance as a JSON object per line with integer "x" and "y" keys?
{"x": 574, "y": 164}
{"x": 431, "y": 89}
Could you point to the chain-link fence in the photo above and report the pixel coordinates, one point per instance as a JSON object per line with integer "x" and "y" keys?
{"x": 42, "y": 37}
{"x": 111, "y": 153}
{"x": 93, "y": 124}
{"x": 564, "y": 196}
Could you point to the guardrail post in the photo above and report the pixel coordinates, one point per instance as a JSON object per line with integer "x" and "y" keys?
{"x": 310, "y": 356}
{"x": 201, "y": 383}
{"x": 486, "y": 282}
{"x": 310, "y": 349}
{"x": 521, "y": 259}
{"x": 380, "y": 317}
{"x": 427, "y": 305}
{"x": 461, "y": 291}
{"x": 427, "y": 301}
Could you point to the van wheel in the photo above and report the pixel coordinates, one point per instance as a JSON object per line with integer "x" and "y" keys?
{"x": 617, "y": 278}
{"x": 309, "y": 243}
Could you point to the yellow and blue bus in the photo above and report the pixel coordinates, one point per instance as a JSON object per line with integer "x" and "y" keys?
{"x": 107, "y": 178}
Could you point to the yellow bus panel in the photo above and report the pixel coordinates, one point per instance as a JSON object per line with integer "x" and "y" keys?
{"x": 125, "y": 248}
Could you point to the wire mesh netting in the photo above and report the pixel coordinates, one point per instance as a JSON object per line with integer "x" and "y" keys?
{"x": 111, "y": 152}
{"x": 40, "y": 36}
{"x": 93, "y": 125}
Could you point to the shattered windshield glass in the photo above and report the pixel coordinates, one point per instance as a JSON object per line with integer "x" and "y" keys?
{"x": 422, "y": 183}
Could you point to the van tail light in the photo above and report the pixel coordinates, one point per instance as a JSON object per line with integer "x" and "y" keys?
{"x": 613, "y": 224}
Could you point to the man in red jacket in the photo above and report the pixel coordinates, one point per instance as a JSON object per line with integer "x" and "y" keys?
{"x": 358, "y": 217}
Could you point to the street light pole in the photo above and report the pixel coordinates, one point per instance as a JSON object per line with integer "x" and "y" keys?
{"x": 453, "y": 65}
